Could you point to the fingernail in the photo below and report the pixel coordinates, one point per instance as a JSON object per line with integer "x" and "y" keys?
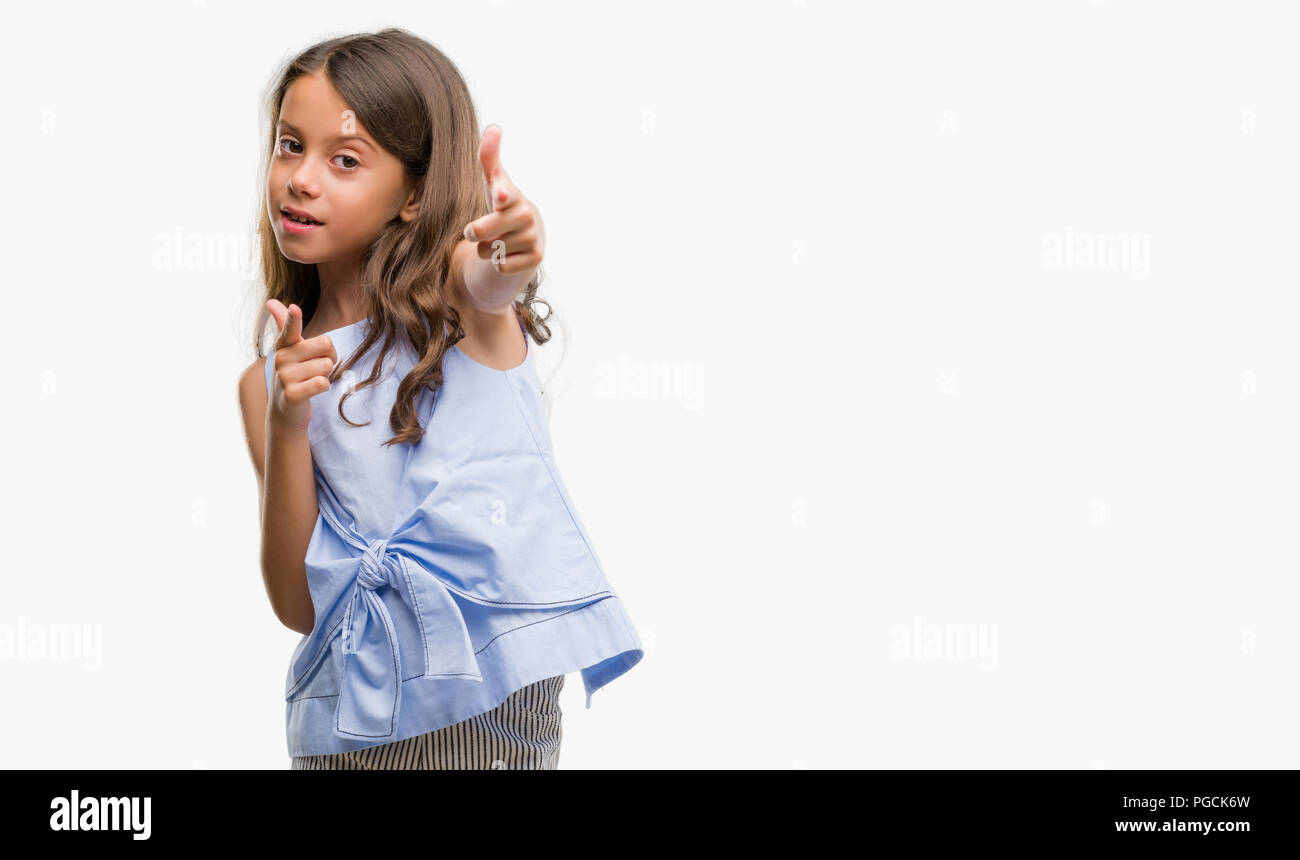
{"x": 469, "y": 233}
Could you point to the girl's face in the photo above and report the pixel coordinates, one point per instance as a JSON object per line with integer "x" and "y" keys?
{"x": 328, "y": 167}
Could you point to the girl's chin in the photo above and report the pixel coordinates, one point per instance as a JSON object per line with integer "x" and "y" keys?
{"x": 297, "y": 256}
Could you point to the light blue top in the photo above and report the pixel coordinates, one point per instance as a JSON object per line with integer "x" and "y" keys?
{"x": 445, "y": 575}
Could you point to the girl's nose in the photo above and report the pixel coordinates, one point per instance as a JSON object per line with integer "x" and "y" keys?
{"x": 301, "y": 182}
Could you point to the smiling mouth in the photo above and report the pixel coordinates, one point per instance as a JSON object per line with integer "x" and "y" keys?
{"x": 298, "y": 219}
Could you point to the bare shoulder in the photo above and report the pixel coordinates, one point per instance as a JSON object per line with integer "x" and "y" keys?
{"x": 252, "y": 407}
{"x": 252, "y": 385}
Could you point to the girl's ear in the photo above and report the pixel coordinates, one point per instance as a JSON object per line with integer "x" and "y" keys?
{"x": 411, "y": 207}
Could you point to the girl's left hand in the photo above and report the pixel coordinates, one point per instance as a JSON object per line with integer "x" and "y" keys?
{"x": 511, "y": 236}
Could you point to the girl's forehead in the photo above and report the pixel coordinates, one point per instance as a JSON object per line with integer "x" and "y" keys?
{"x": 311, "y": 97}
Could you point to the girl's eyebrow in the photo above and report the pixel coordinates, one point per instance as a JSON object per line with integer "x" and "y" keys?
{"x": 336, "y": 139}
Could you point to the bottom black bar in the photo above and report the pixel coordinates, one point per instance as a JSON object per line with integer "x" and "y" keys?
{"x": 1166, "y": 809}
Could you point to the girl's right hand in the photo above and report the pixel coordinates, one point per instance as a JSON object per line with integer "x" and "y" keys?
{"x": 302, "y": 368}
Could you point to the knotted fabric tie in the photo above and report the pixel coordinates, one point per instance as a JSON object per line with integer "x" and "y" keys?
{"x": 370, "y": 692}
{"x": 375, "y": 571}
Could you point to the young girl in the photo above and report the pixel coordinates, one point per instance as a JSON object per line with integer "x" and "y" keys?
{"x": 415, "y": 527}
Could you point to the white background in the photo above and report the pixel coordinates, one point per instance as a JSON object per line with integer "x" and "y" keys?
{"x": 898, "y": 422}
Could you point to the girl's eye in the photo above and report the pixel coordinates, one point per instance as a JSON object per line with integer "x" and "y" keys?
{"x": 291, "y": 142}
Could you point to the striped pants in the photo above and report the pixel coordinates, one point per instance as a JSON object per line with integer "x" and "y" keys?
{"x": 522, "y": 733}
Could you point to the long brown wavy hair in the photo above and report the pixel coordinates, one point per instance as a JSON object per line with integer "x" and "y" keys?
{"x": 415, "y": 104}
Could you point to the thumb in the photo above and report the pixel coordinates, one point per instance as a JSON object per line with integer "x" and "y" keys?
{"x": 278, "y": 312}
{"x": 289, "y": 321}
{"x": 489, "y": 158}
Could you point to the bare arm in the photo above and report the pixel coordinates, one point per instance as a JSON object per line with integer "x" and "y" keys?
{"x": 287, "y": 504}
